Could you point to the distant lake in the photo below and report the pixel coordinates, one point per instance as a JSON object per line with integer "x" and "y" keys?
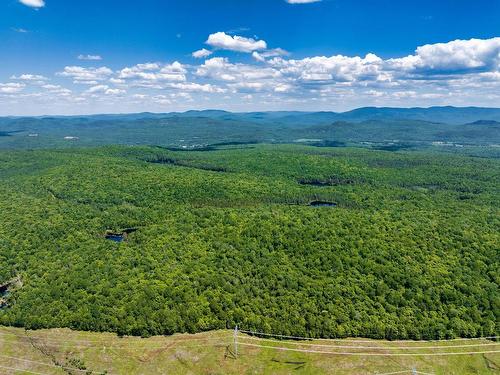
{"x": 322, "y": 204}
{"x": 115, "y": 237}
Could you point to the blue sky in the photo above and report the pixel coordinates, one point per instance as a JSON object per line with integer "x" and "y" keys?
{"x": 69, "y": 57}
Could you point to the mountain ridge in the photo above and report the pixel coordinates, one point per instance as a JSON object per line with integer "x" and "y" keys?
{"x": 445, "y": 114}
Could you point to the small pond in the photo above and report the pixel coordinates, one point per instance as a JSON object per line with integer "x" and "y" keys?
{"x": 4, "y": 289}
{"x": 120, "y": 235}
{"x": 116, "y": 237}
{"x": 3, "y": 299}
{"x": 322, "y": 204}
{"x": 4, "y": 293}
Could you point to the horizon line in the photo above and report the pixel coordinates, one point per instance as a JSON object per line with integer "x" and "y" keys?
{"x": 241, "y": 112}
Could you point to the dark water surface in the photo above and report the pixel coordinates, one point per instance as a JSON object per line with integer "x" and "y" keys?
{"x": 322, "y": 204}
{"x": 115, "y": 237}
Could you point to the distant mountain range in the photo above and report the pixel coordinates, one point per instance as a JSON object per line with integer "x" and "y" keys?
{"x": 389, "y": 127}
{"x": 449, "y": 115}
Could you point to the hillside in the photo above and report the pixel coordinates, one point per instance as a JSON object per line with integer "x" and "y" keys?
{"x": 323, "y": 242}
{"x": 63, "y": 351}
{"x": 411, "y": 127}
{"x": 448, "y": 114}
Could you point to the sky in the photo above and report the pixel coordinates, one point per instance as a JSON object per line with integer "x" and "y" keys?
{"x": 118, "y": 56}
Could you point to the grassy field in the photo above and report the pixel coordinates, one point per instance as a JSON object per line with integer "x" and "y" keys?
{"x": 63, "y": 351}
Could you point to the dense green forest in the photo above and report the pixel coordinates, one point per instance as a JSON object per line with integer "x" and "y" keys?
{"x": 227, "y": 236}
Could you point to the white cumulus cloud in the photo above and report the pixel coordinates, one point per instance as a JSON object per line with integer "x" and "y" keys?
{"x": 235, "y": 43}
{"x": 261, "y": 56}
{"x": 89, "y": 57}
{"x": 196, "y": 87}
{"x": 57, "y": 89}
{"x": 86, "y": 75}
{"x": 472, "y": 54}
{"x": 29, "y": 77}
{"x": 11, "y": 88}
{"x": 220, "y": 68}
{"x": 115, "y": 92}
{"x": 334, "y": 68}
{"x": 459, "y": 72}
{"x": 97, "y": 88}
{"x": 33, "y": 3}
{"x": 154, "y": 73}
{"x": 201, "y": 53}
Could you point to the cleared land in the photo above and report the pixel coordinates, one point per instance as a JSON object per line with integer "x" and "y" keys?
{"x": 63, "y": 351}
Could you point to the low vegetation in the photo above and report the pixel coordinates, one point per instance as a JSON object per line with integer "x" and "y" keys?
{"x": 63, "y": 351}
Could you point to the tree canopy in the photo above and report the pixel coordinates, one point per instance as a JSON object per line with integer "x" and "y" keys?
{"x": 226, "y": 236}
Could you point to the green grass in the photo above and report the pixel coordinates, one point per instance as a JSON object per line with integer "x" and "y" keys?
{"x": 214, "y": 353}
